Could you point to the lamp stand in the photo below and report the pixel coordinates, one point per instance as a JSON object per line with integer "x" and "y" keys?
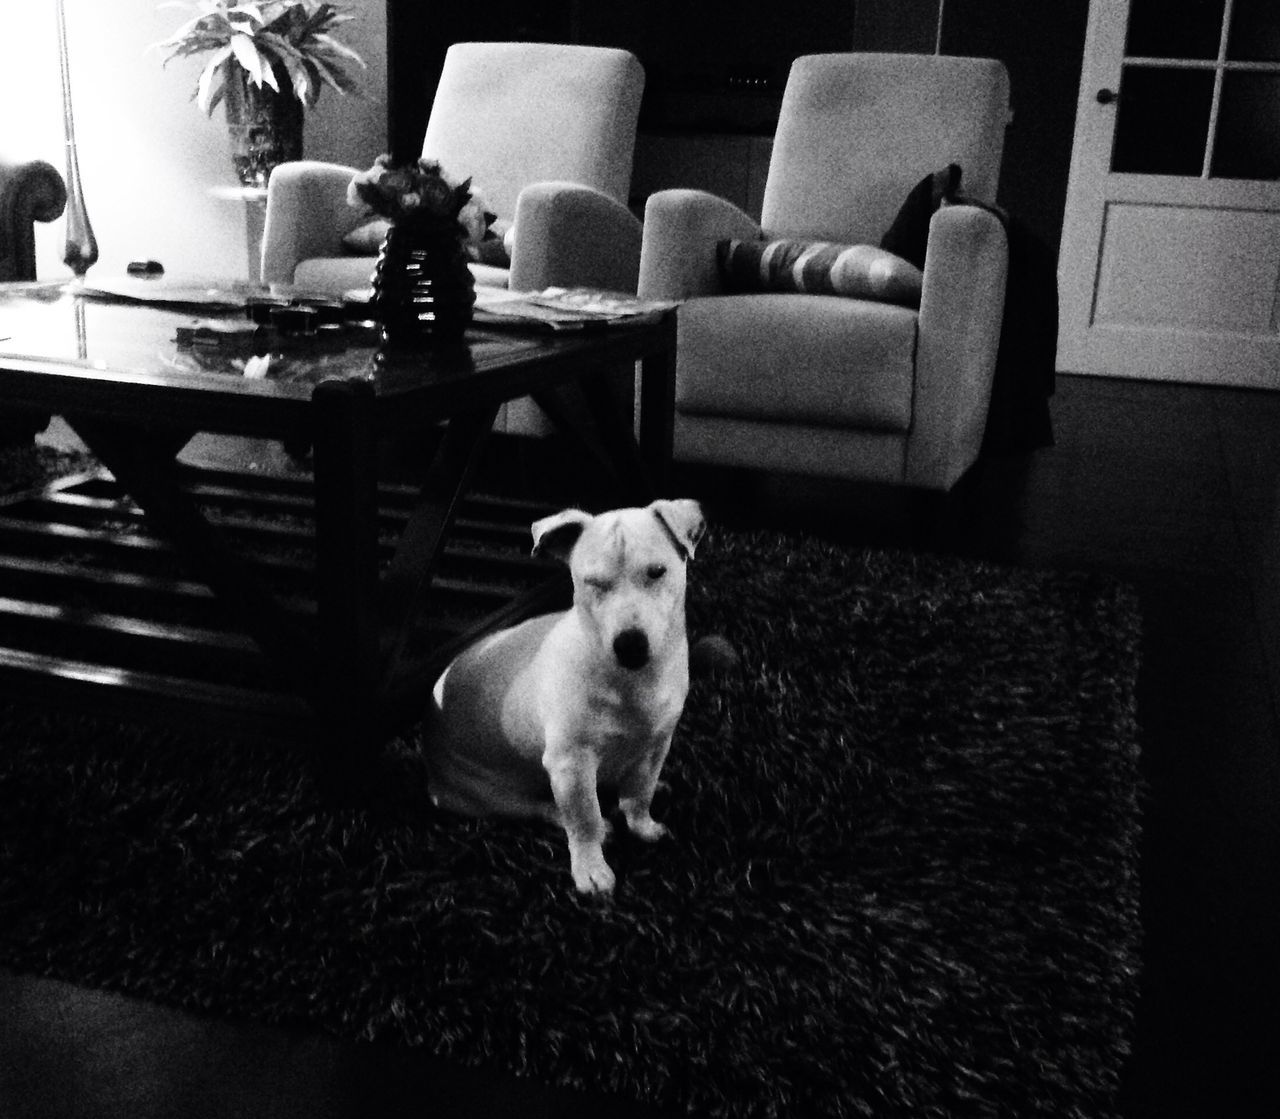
{"x": 82, "y": 247}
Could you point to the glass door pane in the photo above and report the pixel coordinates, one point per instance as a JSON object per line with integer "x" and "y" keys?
{"x": 1175, "y": 28}
{"x": 1255, "y": 31}
{"x": 1248, "y": 139}
{"x": 1163, "y": 121}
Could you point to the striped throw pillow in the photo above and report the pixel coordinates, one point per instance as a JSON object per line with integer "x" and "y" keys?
{"x": 818, "y": 268}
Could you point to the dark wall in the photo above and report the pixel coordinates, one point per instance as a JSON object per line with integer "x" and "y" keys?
{"x": 1043, "y": 47}
{"x": 710, "y": 65}
{"x": 909, "y": 26}
{"x": 420, "y": 31}
{"x": 719, "y": 64}
{"x": 715, "y": 65}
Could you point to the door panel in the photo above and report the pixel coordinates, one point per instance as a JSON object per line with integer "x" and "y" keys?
{"x": 1154, "y": 272}
{"x": 1170, "y": 261}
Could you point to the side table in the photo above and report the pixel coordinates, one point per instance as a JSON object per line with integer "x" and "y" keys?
{"x": 254, "y": 200}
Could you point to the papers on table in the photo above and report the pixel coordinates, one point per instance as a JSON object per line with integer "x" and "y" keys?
{"x": 211, "y": 294}
{"x": 559, "y": 309}
{"x": 164, "y": 292}
{"x": 553, "y": 308}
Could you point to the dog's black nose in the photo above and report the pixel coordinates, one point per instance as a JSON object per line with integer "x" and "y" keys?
{"x": 631, "y": 647}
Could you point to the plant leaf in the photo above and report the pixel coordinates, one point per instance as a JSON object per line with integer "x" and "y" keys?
{"x": 268, "y": 39}
{"x": 284, "y": 50}
{"x": 315, "y": 82}
{"x": 305, "y": 88}
{"x": 342, "y": 49}
{"x": 293, "y": 61}
{"x": 332, "y": 76}
{"x": 204, "y": 87}
{"x": 247, "y": 55}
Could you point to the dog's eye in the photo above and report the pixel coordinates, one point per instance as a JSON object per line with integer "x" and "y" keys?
{"x": 600, "y": 586}
{"x": 656, "y": 571}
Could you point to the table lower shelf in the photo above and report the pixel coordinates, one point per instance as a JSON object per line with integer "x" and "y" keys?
{"x": 94, "y": 605}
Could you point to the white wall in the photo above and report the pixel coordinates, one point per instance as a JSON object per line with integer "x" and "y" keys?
{"x": 149, "y": 158}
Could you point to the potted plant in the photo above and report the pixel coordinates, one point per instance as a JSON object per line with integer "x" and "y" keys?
{"x": 268, "y": 60}
{"x": 430, "y": 224}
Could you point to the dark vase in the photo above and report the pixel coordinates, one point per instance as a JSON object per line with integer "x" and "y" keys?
{"x": 422, "y": 287}
{"x": 265, "y": 127}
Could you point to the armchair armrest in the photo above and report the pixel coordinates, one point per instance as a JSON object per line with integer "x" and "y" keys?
{"x": 307, "y": 216}
{"x": 570, "y": 235}
{"x": 961, "y": 314}
{"x": 681, "y": 228}
{"x": 29, "y": 192}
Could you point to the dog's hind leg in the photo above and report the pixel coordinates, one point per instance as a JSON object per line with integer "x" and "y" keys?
{"x": 635, "y": 794}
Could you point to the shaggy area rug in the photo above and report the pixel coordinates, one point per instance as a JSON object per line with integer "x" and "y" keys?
{"x": 902, "y": 879}
{"x": 24, "y": 466}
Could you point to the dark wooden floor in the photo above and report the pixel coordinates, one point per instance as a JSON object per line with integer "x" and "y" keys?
{"x": 1177, "y": 489}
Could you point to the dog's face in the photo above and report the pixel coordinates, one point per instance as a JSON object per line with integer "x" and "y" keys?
{"x": 628, "y": 569}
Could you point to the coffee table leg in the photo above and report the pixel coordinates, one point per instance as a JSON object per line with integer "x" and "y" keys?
{"x": 406, "y": 582}
{"x": 642, "y": 458}
{"x": 346, "y": 490}
{"x": 658, "y": 408}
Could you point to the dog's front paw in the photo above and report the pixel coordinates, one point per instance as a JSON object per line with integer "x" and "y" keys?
{"x": 591, "y": 874}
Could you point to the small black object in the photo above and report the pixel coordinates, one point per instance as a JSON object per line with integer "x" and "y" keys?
{"x": 1106, "y": 96}
{"x": 148, "y": 269}
{"x": 301, "y": 315}
{"x": 209, "y": 336}
{"x": 295, "y": 318}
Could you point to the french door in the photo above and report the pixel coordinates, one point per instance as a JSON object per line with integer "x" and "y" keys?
{"x": 1170, "y": 258}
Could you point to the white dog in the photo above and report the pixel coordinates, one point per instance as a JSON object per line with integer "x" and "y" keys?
{"x": 532, "y": 720}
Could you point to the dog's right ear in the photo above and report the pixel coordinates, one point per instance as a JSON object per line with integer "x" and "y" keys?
{"x": 557, "y": 534}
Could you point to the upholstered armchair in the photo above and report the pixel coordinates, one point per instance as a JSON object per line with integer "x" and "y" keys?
{"x": 546, "y": 132}
{"x": 29, "y": 192}
{"x": 831, "y": 384}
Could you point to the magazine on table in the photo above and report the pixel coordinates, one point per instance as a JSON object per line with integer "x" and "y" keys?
{"x": 163, "y": 291}
{"x": 557, "y": 308}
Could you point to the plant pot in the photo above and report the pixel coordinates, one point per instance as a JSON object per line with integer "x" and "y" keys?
{"x": 265, "y": 127}
{"x": 422, "y": 288}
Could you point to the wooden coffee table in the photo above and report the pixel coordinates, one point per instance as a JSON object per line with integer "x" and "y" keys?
{"x": 321, "y": 606}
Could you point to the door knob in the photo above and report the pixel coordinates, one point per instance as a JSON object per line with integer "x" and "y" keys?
{"x": 1107, "y": 96}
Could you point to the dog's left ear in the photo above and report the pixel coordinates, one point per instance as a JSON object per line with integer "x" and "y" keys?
{"x": 683, "y": 521}
{"x": 558, "y": 533}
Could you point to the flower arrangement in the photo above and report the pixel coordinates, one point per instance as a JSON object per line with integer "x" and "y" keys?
{"x": 280, "y": 44}
{"x": 420, "y": 192}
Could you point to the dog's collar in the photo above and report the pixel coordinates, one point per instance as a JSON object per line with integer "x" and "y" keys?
{"x": 682, "y": 549}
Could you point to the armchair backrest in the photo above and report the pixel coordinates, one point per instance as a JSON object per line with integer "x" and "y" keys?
{"x": 857, "y": 131}
{"x": 511, "y": 114}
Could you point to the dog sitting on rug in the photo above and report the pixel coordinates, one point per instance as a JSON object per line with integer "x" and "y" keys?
{"x": 533, "y": 720}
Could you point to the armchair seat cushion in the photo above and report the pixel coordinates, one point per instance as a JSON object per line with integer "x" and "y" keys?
{"x": 854, "y": 366}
